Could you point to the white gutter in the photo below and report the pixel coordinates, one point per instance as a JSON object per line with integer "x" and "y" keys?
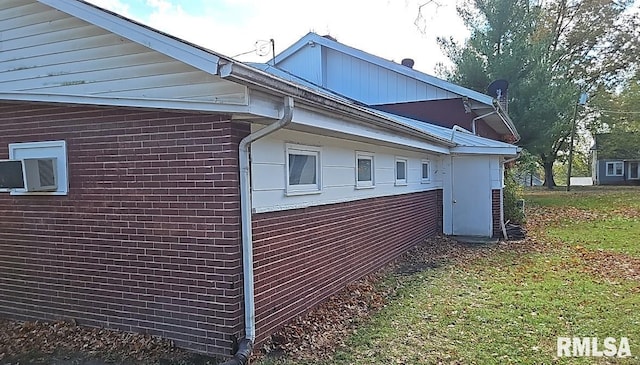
{"x": 250, "y": 76}
{"x": 245, "y": 213}
{"x": 507, "y": 121}
{"x": 473, "y": 122}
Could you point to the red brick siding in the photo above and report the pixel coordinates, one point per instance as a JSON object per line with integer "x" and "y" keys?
{"x": 147, "y": 239}
{"x": 495, "y": 212}
{"x": 302, "y": 256}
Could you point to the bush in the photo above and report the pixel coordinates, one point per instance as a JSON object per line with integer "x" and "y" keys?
{"x": 513, "y": 193}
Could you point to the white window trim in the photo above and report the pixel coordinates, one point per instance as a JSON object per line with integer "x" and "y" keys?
{"x": 614, "y": 163}
{"x": 428, "y": 178}
{"x": 303, "y": 189}
{"x": 365, "y": 184}
{"x": 61, "y": 163}
{"x": 401, "y": 182}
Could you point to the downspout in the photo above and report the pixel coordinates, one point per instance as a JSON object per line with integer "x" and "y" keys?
{"x": 473, "y": 122}
{"x": 502, "y": 224}
{"x": 246, "y": 345}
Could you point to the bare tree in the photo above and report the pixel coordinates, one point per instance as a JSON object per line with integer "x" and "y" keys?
{"x": 421, "y": 21}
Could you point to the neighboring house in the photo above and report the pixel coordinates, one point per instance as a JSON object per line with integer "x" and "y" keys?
{"x": 616, "y": 161}
{"x": 174, "y": 191}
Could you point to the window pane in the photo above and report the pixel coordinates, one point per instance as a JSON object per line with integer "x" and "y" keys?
{"x": 609, "y": 169}
{"x": 618, "y": 168}
{"x": 302, "y": 169}
{"x": 634, "y": 170}
{"x": 364, "y": 169}
{"x": 400, "y": 173}
{"x": 425, "y": 171}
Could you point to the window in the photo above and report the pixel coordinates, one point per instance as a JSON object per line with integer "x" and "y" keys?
{"x": 364, "y": 170}
{"x": 634, "y": 170}
{"x": 48, "y": 161}
{"x": 615, "y": 168}
{"x": 303, "y": 169}
{"x": 426, "y": 171}
{"x": 401, "y": 171}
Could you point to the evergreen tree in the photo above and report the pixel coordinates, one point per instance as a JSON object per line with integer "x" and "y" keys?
{"x": 549, "y": 51}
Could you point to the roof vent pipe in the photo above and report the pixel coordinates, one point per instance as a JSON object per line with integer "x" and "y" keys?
{"x": 408, "y": 62}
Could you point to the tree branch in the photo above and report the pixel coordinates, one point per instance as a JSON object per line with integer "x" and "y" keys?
{"x": 420, "y": 21}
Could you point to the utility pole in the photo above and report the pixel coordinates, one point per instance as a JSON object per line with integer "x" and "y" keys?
{"x": 581, "y": 101}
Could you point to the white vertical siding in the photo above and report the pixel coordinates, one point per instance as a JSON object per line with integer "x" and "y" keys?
{"x": 306, "y": 64}
{"x": 46, "y": 51}
{"x": 268, "y": 175}
{"x": 370, "y": 83}
{"x": 447, "y": 194}
{"x": 497, "y": 178}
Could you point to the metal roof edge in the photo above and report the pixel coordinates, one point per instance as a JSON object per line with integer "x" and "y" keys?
{"x": 240, "y": 72}
{"x": 410, "y": 72}
{"x": 469, "y": 150}
{"x": 507, "y": 120}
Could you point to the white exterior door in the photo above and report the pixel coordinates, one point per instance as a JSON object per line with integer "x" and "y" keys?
{"x": 471, "y": 196}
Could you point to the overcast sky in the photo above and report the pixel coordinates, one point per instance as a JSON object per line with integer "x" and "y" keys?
{"x": 383, "y": 27}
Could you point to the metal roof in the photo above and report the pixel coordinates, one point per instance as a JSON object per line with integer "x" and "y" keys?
{"x": 490, "y": 102}
{"x": 465, "y": 141}
{"x": 210, "y": 61}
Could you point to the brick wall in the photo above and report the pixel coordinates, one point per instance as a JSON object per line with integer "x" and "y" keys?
{"x": 147, "y": 239}
{"x": 302, "y": 256}
{"x": 495, "y": 210}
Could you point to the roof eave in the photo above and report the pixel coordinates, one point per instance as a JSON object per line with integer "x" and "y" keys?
{"x": 238, "y": 72}
{"x": 481, "y": 98}
{"x": 340, "y": 47}
{"x": 499, "y": 151}
{"x": 507, "y": 120}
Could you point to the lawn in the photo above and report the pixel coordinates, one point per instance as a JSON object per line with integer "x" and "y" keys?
{"x": 577, "y": 275}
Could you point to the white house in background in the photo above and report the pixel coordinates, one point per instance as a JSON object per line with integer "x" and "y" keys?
{"x": 207, "y": 201}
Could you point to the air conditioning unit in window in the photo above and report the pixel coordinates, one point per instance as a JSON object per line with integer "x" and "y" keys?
{"x": 30, "y": 174}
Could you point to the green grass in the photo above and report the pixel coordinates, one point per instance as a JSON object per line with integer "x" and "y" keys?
{"x": 594, "y": 198}
{"x": 503, "y": 310}
{"x": 510, "y": 306}
{"x": 618, "y": 234}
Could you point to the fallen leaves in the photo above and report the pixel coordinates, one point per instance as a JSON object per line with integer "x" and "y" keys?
{"x": 325, "y": 328}
{"x": 609, "y": 265}
{"x": 68, "y": 339}
{"x": 318, "y": 333}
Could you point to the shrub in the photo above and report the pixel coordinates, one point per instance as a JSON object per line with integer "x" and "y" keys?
{"x": 513, "y": 193}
